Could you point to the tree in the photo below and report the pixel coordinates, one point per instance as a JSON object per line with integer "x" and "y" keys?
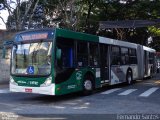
{"x": 84, "y": 16}
{"x": 42, "y": 13}
{"x": 6, "y": 4}
{"x": 62, "y": 13}
{"x": 116, "y": 10}
{"x": 18, "y": 16}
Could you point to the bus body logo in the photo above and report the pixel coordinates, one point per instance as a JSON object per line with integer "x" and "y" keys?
{"x": 30, "y": 70}
{"x": 79, "y": 75}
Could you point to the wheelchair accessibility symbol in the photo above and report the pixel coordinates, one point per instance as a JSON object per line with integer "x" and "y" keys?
{"x": 30, "y": 70}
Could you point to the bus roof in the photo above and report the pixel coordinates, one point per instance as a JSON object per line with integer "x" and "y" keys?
{"x": 77, "y": 35}
{"x": 117, "y": 42}
{"x": 148, "y": 49}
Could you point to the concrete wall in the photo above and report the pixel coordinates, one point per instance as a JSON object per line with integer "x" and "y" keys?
{"x": 5, "y": 66}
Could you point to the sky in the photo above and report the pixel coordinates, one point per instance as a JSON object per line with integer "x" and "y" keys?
{"x": 4, "y": 13}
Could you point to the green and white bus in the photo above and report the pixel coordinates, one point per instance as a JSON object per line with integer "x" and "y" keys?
{"x": 58, "y": 61}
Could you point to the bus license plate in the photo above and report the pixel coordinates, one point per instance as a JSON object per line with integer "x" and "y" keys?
{"x": 29, "y": 90}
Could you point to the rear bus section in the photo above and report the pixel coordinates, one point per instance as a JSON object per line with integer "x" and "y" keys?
{"x": 122, "y": 61}
{"x": 149, "y": 62}
{"x": 157, "y": 62}
{"x": 124, "y": 65}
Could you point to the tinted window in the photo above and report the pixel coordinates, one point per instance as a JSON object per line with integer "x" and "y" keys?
{"x": 67, "y": 48}
{"x": 151, "y": 58}
{"x": 82, "y": 54}
{"x": 132, "y": 56}
{"x": 124, "y": 56}
{"x": 94, "y": 54}
{"x": 115, "y": 55}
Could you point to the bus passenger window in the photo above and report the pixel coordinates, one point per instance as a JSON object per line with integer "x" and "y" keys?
{"x": 94, "y": 54}
{"x": 82, "y": 54}
{"x": 67, "y": 49}
{"x": 115, "y": 56}
{"x": 124, "y": 56}
{"x": 67, "y": 57}
{"x": 132, "y": 56}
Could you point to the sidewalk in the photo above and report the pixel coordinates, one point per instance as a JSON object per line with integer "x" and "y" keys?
{"x": 4, "y": 81}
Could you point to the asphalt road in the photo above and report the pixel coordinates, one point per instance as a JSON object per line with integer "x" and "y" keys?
{"x": 139, "y": 101}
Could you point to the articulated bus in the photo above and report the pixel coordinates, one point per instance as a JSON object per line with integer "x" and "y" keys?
{"x": 58, "y": 61}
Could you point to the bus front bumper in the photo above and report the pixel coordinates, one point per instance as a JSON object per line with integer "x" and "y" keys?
{"x": 48, "y": 90}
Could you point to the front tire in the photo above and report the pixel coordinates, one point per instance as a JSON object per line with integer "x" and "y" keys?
{"x": 87, "y": 86}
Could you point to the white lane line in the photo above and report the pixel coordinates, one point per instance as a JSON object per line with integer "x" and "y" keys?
{"x": 149, "y": 92}
{"x": 4, "y": 91}
{"x": 110, "y": 91}
{"x": 127, "y": 92}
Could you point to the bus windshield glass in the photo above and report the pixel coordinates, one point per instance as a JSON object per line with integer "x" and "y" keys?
{"x": 31, "y": 59}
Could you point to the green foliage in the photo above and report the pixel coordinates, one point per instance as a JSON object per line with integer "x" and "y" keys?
{"x": 154, "y": 31}
{"x": 84, "y": 16}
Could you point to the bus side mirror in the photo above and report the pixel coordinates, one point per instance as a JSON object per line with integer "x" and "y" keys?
{"x": 8, "y": 43}
{"x": 58, "y": 53}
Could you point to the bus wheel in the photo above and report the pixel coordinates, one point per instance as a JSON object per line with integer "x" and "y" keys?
{"x": 129, "y": 79}
{"x": 87, "y": 86}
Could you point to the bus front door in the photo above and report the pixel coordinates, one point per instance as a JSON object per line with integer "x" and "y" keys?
{"x": 104, "y": 69}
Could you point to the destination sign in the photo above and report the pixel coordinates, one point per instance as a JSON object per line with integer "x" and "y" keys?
{"x": 35, "y": 36}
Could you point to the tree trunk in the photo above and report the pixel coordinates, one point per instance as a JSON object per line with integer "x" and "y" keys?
{"x": 91, "y": 4}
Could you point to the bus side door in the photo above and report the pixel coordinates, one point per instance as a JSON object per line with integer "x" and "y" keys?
{"x": 104, "y": 63}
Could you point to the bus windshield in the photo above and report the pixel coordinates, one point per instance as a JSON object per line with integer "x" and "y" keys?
{"x": 31, "y": 59}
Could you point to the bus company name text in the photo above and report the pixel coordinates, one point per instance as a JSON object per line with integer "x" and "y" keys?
{"x": 138, "y": 117}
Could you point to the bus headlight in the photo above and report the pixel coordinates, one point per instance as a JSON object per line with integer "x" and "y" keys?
{"x": 12, "y": 81}
{"x": 48, "y": 82}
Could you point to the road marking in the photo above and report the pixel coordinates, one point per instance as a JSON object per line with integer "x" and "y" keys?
{"x": 127, "y": 92}
{"x": 110, "y": 91}
{"x": 149, "y": 92}
{"x": 4, "y": 91}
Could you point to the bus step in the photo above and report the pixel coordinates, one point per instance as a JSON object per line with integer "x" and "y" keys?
{"x": 104, "y": 83}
